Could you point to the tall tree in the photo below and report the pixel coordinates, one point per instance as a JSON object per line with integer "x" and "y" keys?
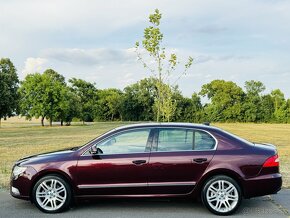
{"x": 8, "y": 88}
{"x": 87, "y": 93}
{"x": 55, "y": 87}
{"x": 164, "y": 65}
{"x": 252, "y": 103}
{"x": 41, "y": 95}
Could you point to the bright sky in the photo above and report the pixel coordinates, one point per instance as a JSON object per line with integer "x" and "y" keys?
{"x": 236, "y": 40}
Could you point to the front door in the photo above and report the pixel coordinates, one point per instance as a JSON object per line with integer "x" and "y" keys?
{"x": 121, "y": 166}
{"x": 178, "y": 159}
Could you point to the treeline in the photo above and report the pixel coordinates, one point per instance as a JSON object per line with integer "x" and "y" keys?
{"x": 49, "y": 96}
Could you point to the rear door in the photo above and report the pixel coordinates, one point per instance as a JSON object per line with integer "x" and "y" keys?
{"x": 178, "y": 158}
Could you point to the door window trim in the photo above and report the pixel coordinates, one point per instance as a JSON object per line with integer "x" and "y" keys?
{"x": 148, "y": 143}
{"x": 154, "y": 146}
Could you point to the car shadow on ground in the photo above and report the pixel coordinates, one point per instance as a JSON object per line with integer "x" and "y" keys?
{"x": 262, "y": 206}
{"x": 148, "y": 207}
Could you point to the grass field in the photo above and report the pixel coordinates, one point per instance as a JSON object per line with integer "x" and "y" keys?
{"x": 19, "y": 138}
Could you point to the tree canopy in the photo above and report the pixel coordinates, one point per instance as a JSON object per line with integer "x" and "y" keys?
{"x": 8, "y": 88}
{"x": 43, "y": 95}
{"x": 48, "y": 96}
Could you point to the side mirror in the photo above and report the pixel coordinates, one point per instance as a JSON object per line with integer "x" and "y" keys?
{"x": 95, "y": 151}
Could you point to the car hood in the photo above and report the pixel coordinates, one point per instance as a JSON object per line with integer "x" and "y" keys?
{"x": 56, "y": 155}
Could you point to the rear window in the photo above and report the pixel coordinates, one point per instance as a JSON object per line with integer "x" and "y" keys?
{"x": 203, "y": 141}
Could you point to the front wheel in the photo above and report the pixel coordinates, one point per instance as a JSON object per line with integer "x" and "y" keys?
{"x": 221, "y": 195}
{"x": 51, "y": 194}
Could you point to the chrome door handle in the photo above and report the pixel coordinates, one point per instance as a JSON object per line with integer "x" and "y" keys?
{"x": 138, "y": 162}
{"x": 200, "y": 160}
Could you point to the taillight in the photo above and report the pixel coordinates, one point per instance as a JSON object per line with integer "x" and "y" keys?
{"x": 272, "y": 161}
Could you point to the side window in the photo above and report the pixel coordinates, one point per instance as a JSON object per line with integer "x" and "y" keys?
{"x": 203, "y": 141}
{"x": 184, "y": 140}
{"x": 175, "y": 140}
{"x": 128, "y": 142}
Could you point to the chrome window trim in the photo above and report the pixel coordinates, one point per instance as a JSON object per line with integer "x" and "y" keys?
{"x": 126, "y": 130}
{"x": 193, "y": 129}
{"x": 158, "y": 127}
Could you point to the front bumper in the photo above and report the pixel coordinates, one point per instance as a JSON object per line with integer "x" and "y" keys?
{"x": 262, "y": 185}
{"x": 21, "y": 186}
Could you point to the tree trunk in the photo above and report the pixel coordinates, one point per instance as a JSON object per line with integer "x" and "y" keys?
{"x": 42, "y": 121}
{"x": 0, "y": 122}
{"x": 50, "y": 121}
{"x": 61, "y": 122}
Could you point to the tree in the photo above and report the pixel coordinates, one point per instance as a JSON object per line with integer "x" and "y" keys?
{"x": 138, "y": 100}
{"x": 8, "y": 88}
{"x": 288, "y": 110}
{"x": 55, "y": 88}
{"x": 87, "y": 94}
{"x": 165, "y": 65}
{"x": 108, "y": 106}
{"x": 226, "y": 100}
{"x": 254, "y": 88}
{"x": 280, "y": 106}
{"x": 252, "y": 103}
{"x": 267, "y": 108}
{"x": 187, "y": 109}
{"x": 41, "y": 95}
{"x": 69, "y": 106}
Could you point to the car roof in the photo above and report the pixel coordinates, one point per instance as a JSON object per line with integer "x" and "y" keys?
{"x": 168, "y": 124}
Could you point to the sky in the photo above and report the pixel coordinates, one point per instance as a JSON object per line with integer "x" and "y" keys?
{"x": 94, "y": 40}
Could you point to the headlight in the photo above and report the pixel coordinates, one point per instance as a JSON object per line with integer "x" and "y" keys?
{"x": 17, "y": 171}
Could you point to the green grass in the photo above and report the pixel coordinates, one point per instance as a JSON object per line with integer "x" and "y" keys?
{"x": 19, "y": 138}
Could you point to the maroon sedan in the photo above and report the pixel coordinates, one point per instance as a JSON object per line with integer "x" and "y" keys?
{"x": 152, "y": 160}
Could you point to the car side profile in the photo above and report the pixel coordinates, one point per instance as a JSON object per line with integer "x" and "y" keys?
{"x": 152, "y": 160}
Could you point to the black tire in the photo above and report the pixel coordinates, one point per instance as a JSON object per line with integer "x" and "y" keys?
{"x": 219, "y": 206}
{"x": 49, "y": 195}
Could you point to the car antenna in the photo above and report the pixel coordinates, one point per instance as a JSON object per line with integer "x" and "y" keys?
{"x": 206, "y": 123}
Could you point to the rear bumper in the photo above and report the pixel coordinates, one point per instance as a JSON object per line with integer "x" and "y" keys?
{"x": 262, "y": 185}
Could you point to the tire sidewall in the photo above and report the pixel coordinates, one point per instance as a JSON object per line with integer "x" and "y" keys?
{"x": 65, "y": 206}
{"x": 206, "y": 186}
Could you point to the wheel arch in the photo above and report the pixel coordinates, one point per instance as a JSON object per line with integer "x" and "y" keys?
{"x": 61, "y": 174}
{"x": 218, "y": 172}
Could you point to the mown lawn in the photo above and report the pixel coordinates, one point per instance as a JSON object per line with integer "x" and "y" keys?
{"x": 19, "y": 138}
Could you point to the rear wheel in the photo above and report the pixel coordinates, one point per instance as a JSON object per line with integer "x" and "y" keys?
{"x": 221, "y": 195}
{"x": 52, "y": 194}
